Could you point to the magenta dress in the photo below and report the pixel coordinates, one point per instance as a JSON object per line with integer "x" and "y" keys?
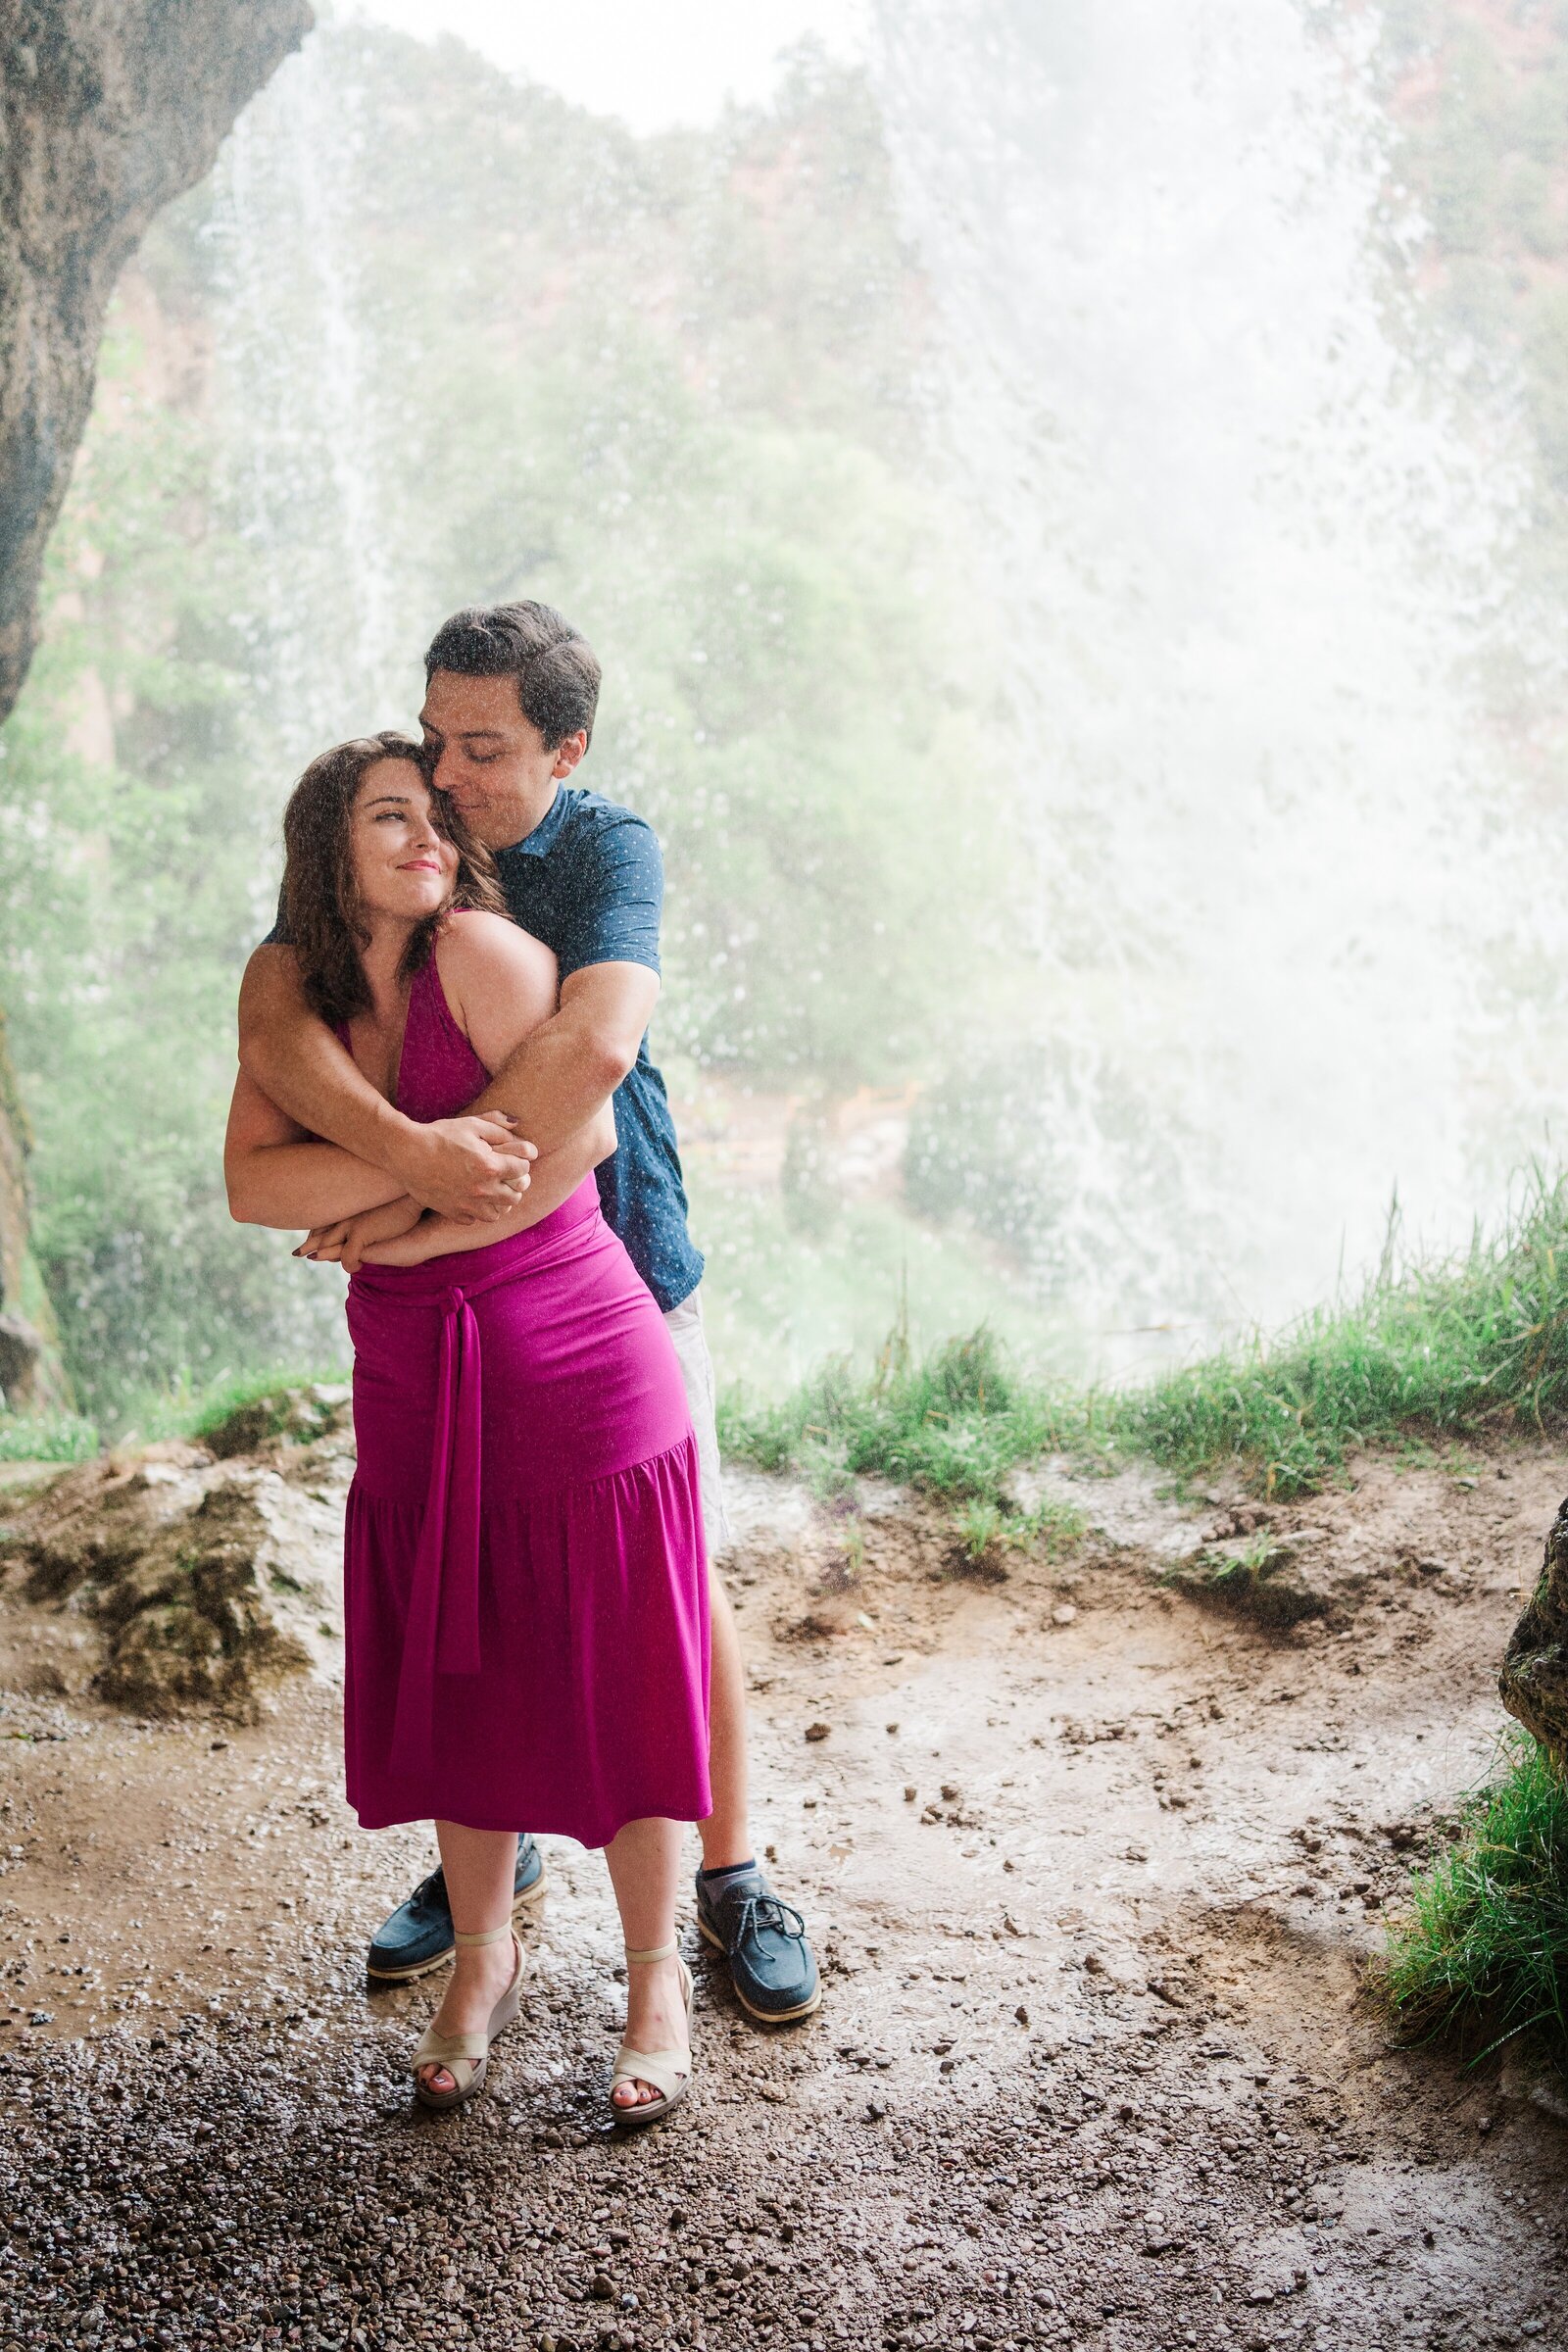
{"x": 525, "y": 1592}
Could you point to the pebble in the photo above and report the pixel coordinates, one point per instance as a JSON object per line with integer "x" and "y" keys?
{"x": 1064, "y": 1613}
{"x": 817, "y": 1731}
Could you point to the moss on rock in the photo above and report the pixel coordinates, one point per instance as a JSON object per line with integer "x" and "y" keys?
{"x": 208, "y": 1583}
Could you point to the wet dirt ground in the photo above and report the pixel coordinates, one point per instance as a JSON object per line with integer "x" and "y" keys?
{"x": 1095, "y": 1869}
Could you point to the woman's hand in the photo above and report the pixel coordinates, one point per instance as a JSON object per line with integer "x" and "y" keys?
{"x": 345, "y": 1244}
{"x": 432, "y": 1236}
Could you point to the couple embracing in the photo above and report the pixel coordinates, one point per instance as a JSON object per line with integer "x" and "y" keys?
{"x": 444, "y": 1075}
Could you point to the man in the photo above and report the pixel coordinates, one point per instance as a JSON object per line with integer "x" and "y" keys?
{"x": 511, "y": 697}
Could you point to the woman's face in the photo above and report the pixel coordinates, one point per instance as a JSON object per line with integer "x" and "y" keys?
{"x": 403, "y": 865}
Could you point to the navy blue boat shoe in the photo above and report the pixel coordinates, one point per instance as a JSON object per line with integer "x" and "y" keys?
{"x": 771, "y": 1964}
{"x": 419, "y": 1935}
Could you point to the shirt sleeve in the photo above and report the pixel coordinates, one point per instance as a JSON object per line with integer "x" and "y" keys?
{"x": 617, "y": 899}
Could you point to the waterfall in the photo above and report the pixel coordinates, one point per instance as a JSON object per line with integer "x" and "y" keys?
{"x": 1246, "y": 559}
{"x": 307, "y": 408}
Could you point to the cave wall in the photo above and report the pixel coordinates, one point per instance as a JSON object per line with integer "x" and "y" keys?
{"x": 108, "y": 109}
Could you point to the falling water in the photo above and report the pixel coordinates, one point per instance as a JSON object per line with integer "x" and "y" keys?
{"x": 1246, "y": 559}
{"x": 314, "y": 509}
{"x": 1246, "y": 549}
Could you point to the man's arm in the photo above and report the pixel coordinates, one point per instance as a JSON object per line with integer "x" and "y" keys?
{"x": 555, "y": 1179}
{"x": 564, "y": 1073}
{"x": 470, "y": 1168}
{"x": 558, "y": 1078}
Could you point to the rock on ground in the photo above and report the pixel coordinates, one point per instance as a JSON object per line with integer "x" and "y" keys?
{"x": 1533, "y": 1681}
{"x": 205, "y": 1584}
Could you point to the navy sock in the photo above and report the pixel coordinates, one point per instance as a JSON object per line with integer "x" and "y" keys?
{"x": 731, "y": 1870}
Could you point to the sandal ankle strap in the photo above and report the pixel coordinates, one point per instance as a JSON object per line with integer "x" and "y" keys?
{"x": 657, "y": 1952}
{"x": 487, "y": 1936}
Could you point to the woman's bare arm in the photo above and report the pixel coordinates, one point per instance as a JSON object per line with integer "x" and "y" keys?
{"x": 500, "y": 986}
{"x": 278, "y": 1174}
{"x": 468, "y": 1165}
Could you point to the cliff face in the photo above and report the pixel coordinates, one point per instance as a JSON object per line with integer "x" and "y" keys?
{"x": 108, "y": 109}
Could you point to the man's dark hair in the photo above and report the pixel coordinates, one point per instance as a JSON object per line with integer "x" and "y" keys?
{"x": 557, "y": 670}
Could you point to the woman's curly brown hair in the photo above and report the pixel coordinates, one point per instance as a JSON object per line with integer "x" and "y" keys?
{"x": 327, "y": 927}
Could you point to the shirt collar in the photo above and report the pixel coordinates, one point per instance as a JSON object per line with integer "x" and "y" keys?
{"x": 542, "y": 839}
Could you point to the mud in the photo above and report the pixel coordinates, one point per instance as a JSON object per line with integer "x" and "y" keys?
{"x": 1095, "y": 1866}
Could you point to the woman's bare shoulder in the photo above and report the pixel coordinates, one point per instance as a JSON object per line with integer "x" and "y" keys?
{"x": 484, "y": 949}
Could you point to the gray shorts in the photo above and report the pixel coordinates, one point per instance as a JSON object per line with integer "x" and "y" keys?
{"x": 684, "y": 1323}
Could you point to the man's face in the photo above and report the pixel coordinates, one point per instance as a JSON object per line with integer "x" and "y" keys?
{"x": 496, "y": 765}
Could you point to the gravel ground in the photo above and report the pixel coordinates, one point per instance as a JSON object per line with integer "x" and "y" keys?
{"x": 1094, "y": 2067}
{"x": 189, "y": 2195}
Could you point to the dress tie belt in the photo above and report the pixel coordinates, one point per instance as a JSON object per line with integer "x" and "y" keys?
{"x": 441, "y": 1635}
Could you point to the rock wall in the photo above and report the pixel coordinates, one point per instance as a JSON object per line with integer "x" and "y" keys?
{"x": 1533, "y": 1681}
{"x": 108, "y": 109}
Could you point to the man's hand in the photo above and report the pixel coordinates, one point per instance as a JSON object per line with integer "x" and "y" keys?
{"x": 473, "y": 1170}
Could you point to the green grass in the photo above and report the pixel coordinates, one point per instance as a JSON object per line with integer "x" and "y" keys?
{"x": 1243, "y": 1573}
{"x": 1483, "y": 1955}
{"x": 182, "y": 1410}
{"x": 982, "y": 1529}
{"x": 1432, "y": 1350}
{"x": 1462, "y": 1346}
{"x": 1428, "y": 1354}
{"x": 187, "y": 1408}
{"x": 47, "y": 1438}
{"x": 270, "y": 1392}
{"x": 954, "y": 1425}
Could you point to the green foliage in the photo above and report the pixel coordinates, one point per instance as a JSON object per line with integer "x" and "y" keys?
{"x": 1482, "y": 105}
{"x": 1482, "y": 1954}
{"x": 982, "y": 1529}
{"x": 668, "y": 388}
{"x": 1249, "y": 1581}
{"x": 1051, "y": 1529}
{"x": 132, "y": 865}
{"x": 238, "y": 1416}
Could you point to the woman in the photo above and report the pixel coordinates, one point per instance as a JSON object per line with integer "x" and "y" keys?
{"x": 524, "y": 1587}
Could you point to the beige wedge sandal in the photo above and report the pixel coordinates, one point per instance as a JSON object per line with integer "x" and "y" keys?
{"x": 668, "y": 2071}
{"x": 466, "y": 2056}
